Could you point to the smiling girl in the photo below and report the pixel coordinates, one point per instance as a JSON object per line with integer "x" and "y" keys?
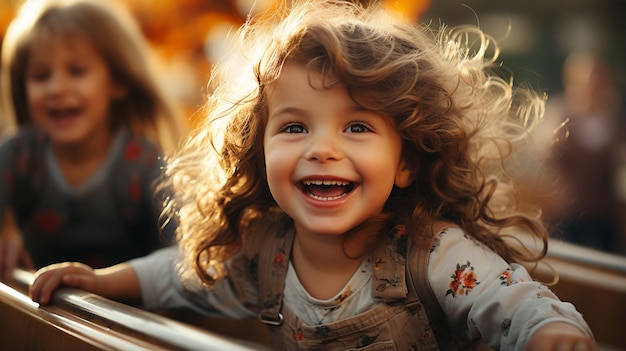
{"x": 353, "y": 197}
{"x": 89, "y": 122}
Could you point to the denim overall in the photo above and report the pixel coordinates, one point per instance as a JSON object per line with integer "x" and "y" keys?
{"x": 409, "y": 319}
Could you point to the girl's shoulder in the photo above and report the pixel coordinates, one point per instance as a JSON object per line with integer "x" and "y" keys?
{"x": 431, "y": 236}
{"x": 25, "y": 146}
{"x": 444, "y": 238}
{"x": 454, "y": 246}
{"x": 138, "y": 140}
{"x": 453, "y": 236}
{"x": 137, "y": 149}
{"x": 25, "y": 137}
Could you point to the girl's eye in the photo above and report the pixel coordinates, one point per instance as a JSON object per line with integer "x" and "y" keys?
{"x": 38, "y": 76}
{"x": 293, "y": 128}
{"x": 358, "y": 128}
{"x": 77, "y": 70}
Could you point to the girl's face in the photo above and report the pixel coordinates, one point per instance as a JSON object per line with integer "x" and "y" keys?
{"x": 330, "y": 165}
{"x": 69, "y": 90}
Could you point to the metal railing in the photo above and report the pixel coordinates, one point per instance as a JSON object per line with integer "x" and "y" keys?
{"x": 110, "y": 325}
{"x": 114, "y": 326}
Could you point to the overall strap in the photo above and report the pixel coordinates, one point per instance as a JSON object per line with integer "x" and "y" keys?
{"x": 274, "y": 254}
{"x": 418, "y": 257}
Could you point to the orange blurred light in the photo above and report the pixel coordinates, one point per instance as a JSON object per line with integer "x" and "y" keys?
{"x": 410, "y": 10}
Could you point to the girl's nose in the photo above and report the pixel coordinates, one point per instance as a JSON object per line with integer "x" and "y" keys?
{"x": 56, "y": 84}
{"x": 323, "y": 147}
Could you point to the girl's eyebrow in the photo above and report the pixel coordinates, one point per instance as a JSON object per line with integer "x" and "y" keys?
{"x": 292, "y": 110}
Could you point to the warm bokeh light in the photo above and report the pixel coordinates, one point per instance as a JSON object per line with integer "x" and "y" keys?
{"x": 407, "y": 9}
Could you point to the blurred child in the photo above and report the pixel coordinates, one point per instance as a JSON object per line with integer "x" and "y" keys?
{"x": 353, "y": 197}
{"x": 588, "y": 205}
{"x": 89, "y": 125}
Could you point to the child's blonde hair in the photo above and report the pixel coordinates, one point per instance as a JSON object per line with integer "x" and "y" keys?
{"x": 146, "y": 108}
{"x": 458, "y": 122}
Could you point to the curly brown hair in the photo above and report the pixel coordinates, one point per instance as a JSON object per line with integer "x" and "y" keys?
{"x": 458, "y": 117}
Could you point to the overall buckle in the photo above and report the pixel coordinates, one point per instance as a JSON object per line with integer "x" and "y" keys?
{"x": 271, "y": 318}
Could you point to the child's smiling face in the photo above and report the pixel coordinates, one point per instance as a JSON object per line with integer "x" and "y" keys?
{"x": 330, "y": 165}
{"x": 69, "y": 90}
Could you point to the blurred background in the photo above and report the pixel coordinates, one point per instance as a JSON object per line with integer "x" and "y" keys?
{"x": 543, "y": 33}
{"x": 573, "y": 50}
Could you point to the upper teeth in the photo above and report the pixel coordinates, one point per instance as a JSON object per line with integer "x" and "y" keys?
{"x": 326, "y": 182}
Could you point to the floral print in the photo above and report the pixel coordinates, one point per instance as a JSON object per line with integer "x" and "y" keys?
{"x": 399, "y": 242}
{"x": 463, "y": 280}
{"x": 387, "y": 283}
{"x": 436, "y": 243}
{"x": 366, "y": 340}
{"x": 506, "y": 325}
{"x": 344, "y": 295}
{"x": 279, "y": 258}
{"x": 505, "y": 277}
{"x": 134, "y": 189}
{"x": 323, "y": 332}
{"x": 132, "y": 151}
{"x": 271, "y": 300}
{"x": 299, "y": 334}
{"x": 279, "y": 262}
{"x": 378, "y": 262}
{"x": 48, "y": 222}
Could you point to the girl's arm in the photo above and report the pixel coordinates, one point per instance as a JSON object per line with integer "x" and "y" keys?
{"x": 12, "y": 251}
{"x": 485, "y": 297}
{"x": 117, "y": 282}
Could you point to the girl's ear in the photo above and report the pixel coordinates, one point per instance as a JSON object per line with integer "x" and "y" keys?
{"x": 404, "y": 175}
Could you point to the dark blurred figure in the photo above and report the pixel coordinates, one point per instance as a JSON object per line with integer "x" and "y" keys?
{"x": 87, "y": 121}
{"x": 588, "y": 157}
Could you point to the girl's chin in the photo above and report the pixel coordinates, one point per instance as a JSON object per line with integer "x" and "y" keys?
{"x": 325, "y": 232}
{"x": 64, "y": 139}
{"x": 317, "y": 231}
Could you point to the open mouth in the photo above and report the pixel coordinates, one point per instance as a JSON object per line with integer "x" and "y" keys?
{"x": 327, "y": 190}
{"x": 63, "y": 113}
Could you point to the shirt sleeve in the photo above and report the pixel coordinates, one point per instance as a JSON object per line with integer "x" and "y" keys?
{"x": 162, "y": 288}
{"x": 484, "y": 297}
